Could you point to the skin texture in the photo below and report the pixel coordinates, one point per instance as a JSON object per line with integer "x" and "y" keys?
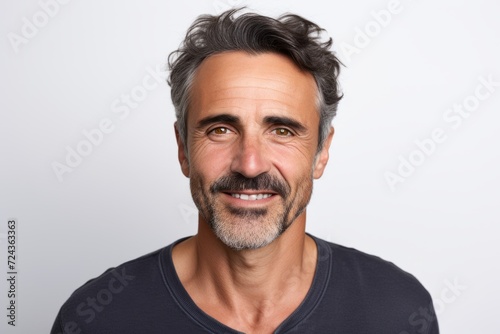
{"x": 252, "y": 130}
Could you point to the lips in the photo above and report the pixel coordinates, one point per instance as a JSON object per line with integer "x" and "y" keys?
{"x": 260, "y": 187}
{"x": 252, "y": 197}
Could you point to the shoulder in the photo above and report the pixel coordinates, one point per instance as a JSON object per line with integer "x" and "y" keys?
{"x": 121, "y": 276}
{"x": 368, "y": 269}
{"x": 378, "y": 289}
{"x": 116, "y": 291}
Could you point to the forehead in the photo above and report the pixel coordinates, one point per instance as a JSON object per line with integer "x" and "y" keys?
{"x": 241, "y": 82}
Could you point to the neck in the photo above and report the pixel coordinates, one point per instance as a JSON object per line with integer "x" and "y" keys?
{"x": 252, "y": 281}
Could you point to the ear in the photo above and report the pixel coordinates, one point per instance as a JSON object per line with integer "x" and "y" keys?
{"x": 181, "y": 152}
{"x": 322, "y": 156}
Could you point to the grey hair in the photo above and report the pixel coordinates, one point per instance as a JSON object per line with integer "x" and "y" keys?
{"x": 289, "y": 35}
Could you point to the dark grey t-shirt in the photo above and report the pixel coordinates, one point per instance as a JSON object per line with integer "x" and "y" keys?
{"x": 352, "y": 292}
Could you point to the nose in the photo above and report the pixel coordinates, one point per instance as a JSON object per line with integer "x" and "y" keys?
{"x": 251, "y": 157}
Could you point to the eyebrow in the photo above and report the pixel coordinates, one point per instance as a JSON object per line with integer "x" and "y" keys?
{"x": 222, "y": 118}
{"x": 235, "y": 120}
{"x": 286, "y": 121}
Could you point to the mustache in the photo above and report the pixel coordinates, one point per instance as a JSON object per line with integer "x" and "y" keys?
{"x": 235, "y": 182}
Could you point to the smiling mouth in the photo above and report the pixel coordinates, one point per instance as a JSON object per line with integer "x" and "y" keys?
{"x": 251, "y": 197}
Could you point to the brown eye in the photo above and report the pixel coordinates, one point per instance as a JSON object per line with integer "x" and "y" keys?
{"x": 282, "y": 132}
{"x": 220, "y": 131}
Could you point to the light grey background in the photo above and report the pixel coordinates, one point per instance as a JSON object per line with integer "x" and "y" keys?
{"x": 128, "y": 196}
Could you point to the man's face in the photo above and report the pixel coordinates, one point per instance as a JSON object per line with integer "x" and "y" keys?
{"x": 252, "y": 136}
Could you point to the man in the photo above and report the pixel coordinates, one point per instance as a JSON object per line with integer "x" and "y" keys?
{"x": 254, "y": 100}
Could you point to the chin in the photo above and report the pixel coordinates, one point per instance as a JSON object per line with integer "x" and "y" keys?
{"x": 245, "y": 234}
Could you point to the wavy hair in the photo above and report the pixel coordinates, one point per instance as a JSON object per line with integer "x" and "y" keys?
{"x": 290, "y": 35}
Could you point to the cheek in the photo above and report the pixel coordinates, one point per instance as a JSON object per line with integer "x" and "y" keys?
{"x": 208, "y": 161}
{"x": 294, "y": 161}
{"x": 294, "y": 173}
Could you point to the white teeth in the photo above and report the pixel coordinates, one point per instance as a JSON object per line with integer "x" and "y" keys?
{"x": 252, "y": 197}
